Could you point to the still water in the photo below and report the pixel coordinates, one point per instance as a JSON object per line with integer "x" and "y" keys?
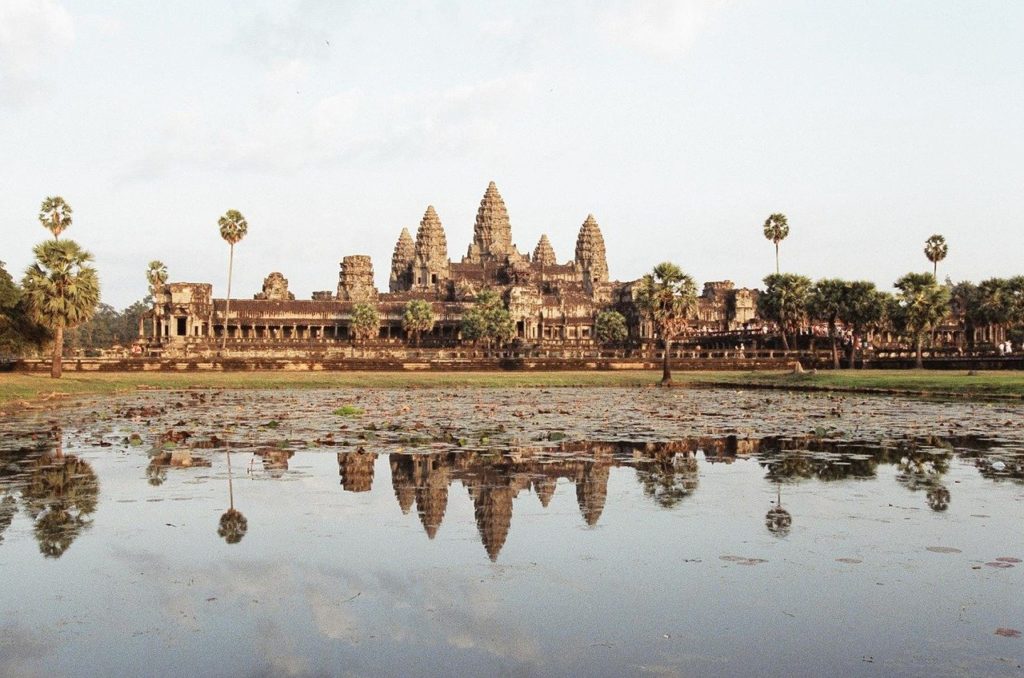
{"x": 513, "y": 532}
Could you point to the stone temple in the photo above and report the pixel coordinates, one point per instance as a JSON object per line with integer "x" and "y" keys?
{"x": 552, "y": 304}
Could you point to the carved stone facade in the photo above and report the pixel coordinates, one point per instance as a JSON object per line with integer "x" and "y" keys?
{"x": 551, "y": 304}
{"x": 275, "y": 288}
{"x": 355, "y": 282}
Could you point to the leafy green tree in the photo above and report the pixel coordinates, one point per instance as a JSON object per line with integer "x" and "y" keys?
{"x": 965, "y": 304}
{"x": 100, "y": 331}
{"x": 863, "y": 306}
{"x": 365, "y": 322}
{"x": 156, "y": 276}
{"x": 18, "y": 332}
{"x": 488, "y": 320}
{"x": 62, "y": 290}
{"x": 936, "y": 249}
{"x": 55, "y": 215}
{"x": 667, "y": 297}
{"x": 784, "y": 301}
{"x": 828, "y": 297}
{"x": 418, "y": 318}
{"x": 776, "y": 228}
{"x": 610, "y": 327}
{"x": 921, "y": 305}
{"x": 233, "y": 228}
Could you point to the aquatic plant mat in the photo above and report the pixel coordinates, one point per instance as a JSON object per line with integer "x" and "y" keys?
{"x": 16, "y": 387}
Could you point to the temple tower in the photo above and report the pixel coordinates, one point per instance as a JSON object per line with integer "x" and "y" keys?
{"x": 355, "y": 281}
{"x": 275, "y": 288}
{"x": 492, "y": 233}
{"x": 544, "y": 253}
{"x": 401, "y": 263}
{"x": 430, "y": 258}
{"x": 590, "y": 254}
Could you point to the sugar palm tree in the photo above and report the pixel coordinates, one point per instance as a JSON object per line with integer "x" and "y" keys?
{"x": 62, "y": 291}
{"x": 826, "y": 303}
{"x": 55, "y": 215}
{"x": 233, "y": 228}
{"x": 668, "y": 298}
{"x": 156, "y": 276}
{"x": 776, "y": 228}
{"x": 418, "y": 318}
{"x": 936, "y": 249}
{"x": 922, "y": 305}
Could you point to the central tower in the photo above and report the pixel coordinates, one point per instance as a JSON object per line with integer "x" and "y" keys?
{"x": 492, "y": 233}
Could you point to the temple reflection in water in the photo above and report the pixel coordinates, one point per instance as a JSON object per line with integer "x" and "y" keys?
{"x": 59, "y": 492}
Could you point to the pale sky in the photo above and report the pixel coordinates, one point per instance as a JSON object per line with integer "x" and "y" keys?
{"x": 679, "y": 125}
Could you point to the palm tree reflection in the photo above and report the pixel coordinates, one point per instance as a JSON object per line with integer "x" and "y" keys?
{"x": 778, "y": 520}
{"x": 60, "y": 497}
{"x": 938, "y": 497}
{"x": 233, "y": 524}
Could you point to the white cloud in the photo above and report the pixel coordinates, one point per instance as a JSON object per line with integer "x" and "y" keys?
{"x": 32, "y": 34}
{"x": 664, "y": 28}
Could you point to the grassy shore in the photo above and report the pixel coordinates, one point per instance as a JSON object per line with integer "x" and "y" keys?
{"x": 16, "y": 387}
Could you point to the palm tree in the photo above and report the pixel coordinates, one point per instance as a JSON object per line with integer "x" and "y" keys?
{"x": 784, "y": 301}
{"x": 863, "y": 307}
{"x": 55, "y": 215}
{"x": 936, "y": 249}
{"x": 776, "y": 228}
{"x": 922, "y": 305}
{"x": 365, "y": 323}
{"x": 418, "y": 318}
{"x": 233, "y": 228}
{"x": 827, "y": 297}
{"x": 156, "y": 276}
{"x": 62, "y": 291}
{"x": 668, "y": 298}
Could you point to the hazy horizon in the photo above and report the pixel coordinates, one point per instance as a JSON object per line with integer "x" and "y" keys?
{"x": 679, "y": 125}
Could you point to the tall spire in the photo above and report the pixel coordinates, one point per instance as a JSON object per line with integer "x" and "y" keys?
{"x": 492, "y": 233}
{"x": 430, "y": 239}
{"x": 430, "y": 260}
{"x": 544, "y": 253}
{"x": 401, "y": 262}
{"x": 590, "y": 253}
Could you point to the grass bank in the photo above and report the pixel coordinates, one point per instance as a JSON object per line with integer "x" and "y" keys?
{"x": 15, "y": 387}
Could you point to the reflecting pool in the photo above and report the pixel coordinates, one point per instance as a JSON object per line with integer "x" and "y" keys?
{"x": 513, "y": 532}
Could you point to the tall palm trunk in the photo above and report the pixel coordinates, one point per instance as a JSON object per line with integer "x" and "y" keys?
{"x": 231, "y": 489}
{"x": 785, "y": 340}
{"x": 666, "y": 369}
{"x": 227, "y": 304}
{"x": 56, "y": 364}
{"x": 853, "y": 351}
{"x": 919, "y": 361}
{"x": 776, "y": 258}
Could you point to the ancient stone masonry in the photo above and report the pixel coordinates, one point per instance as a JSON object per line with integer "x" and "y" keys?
{"x": 275, "y": 288}
{"x": 590, "y": 254}
{"x": 430, "y": 262}
{"x": 552, "y": 305}
{"x": 401, "y": 263}
{"x": 355, "y": 282}
{"x": 544, "y": 254}
{"x": 492, "y": 233}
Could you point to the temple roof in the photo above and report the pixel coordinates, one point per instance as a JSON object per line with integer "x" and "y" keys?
{"x": 544, "y": 253}
{"x": 431, "y": 242}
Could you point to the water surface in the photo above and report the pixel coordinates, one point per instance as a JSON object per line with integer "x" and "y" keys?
{"x": 512, "y": 532}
